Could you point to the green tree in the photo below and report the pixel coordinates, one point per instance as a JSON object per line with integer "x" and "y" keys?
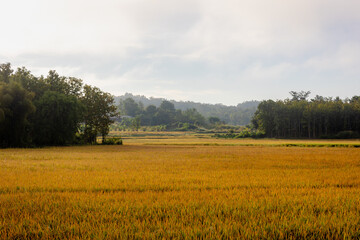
{"x": 165, "y": 113}
{"x": 148, "y": 118}
{"x": 57, "y": 119}
{"x": 192, "y": 116}
{"x": 264, "y": 117}
{"x": 65, "y": 85}
{"x": 167, "y": 106}
{"x": 135, "y": 123}
{"x": 129, "y": 107}
{"x": 214, "y": 120}
{"x": 5, "y": 72}
{"x": 98, "y": 114}
{"x": 15, "y": 107}
{"x": 318, "y": 118}
{"x": 298, "y": 96}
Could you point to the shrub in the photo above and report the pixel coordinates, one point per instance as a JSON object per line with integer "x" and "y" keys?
{"x": 112, "y": 141}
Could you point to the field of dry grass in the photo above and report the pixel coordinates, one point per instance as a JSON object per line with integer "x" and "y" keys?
{"x": 192, "y": 138}
{"x": 143, "y": 190}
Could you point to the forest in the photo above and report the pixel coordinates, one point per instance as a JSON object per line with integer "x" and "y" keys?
{"x": 241, "y": 114}
{"x": 165, "y": 115}
{"x": 59, "y": 110}
{"x": 298, "y": 117}
{"x": 51, "y": 110}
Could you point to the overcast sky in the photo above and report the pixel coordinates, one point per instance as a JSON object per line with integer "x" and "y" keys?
{"x": 209, "y": 51}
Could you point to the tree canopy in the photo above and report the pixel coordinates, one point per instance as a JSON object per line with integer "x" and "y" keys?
{"x": 165, "y": 114}
{"x": 15, "y": 107}
{"x": 51, "y": 110}
{"x": 234, "y": 115}
{"x": 98, "y": 114}
{"x": 319, "y": 117}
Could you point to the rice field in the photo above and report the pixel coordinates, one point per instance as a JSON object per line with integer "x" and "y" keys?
{"x": 150, "y": 189}
{"x": 191, "y": 138}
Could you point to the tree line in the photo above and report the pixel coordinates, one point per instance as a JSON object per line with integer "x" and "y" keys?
{"x": 51, "y": 110}
{"x": 241, "y": 114}
{"x": 165, "y": 115}
{"x": 298, "y": 117}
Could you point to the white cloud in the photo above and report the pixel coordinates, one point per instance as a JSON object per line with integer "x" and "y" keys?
{"x": 171, "y": 47}
{"x": 346, "y": 59}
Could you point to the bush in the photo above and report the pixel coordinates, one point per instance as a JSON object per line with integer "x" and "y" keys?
{"x": 245, "y": 133}
{"x": 79, "y": 139}
{"x": 112, "y": 141}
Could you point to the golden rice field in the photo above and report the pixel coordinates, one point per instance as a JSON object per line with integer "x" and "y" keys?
{"x": 180, "y": 191}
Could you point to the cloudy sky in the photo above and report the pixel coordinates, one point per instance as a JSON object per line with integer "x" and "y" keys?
{"x": 208, "y": 51}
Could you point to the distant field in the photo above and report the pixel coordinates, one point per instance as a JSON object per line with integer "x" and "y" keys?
{"x": 185, "y": 189}
{"x": 192, "y": 138}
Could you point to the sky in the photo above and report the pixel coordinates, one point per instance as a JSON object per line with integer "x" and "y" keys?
{"x": 207, "y": 51}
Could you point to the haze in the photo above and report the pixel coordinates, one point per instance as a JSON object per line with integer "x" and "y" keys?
{"x": 205, "y": 51}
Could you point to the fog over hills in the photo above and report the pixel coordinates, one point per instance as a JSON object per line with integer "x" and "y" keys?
{"x": 240, "y": 114}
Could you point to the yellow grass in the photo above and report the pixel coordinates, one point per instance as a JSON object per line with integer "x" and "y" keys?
{"x": 192, "y": 138}
{"x": 179, "y": 191}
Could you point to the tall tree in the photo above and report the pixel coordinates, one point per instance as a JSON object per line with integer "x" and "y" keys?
{"x": 15, "y": 107}
{"x": 320, "y": 117}
{"x": 99, "y": 110}
{"x": 130, "y": 107}
{"x": 5, "y": 72}
{"x": 298, "y": 96}
{"x": 57, "y": 119}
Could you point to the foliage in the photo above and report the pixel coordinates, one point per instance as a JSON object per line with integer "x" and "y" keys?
{"x": 15, "y": 107}
{"x": 244, "y": 133}
{"x": 317, "y": 118}
{"x": 98, "y": 114}
{"x": 299, "y": 96}
{"x": 5, "y": 72}
{"x": 214, "y": 120}
{"x": 56, "y": 119}
{"x": 129, "y": 107}
{"x": 112, "y": 141}
{"x": 165, "y": 114}
{"x": 49, "y": 110}
{"x": 233, "y": 115}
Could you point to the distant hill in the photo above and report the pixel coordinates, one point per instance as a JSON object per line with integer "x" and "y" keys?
{"x": 235, "y": 115}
